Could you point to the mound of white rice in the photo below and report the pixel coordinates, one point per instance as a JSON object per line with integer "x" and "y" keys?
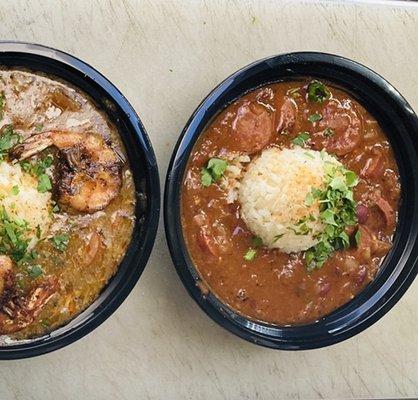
{"x": 272, "y": 194}
{"x": 20, "y": 197}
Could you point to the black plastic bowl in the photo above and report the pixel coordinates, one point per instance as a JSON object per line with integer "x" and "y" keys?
{"x": 145, "y": 173}
{"x": 400, "y": 266}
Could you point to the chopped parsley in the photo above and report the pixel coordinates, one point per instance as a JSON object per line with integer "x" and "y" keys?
{"x": 8, "y": 138}
{"x": 315, "y": 117}
{"x": 250, "y": 254}
{"x": 213, "y": 171}
{"x": 318, "y": 92}
{"x": 60, "y": 242}
{"x": 38, "y": 169}
{"x": 337, "y": 211}
{"x": 44, "y": 183}
{"x": 302, "y": 227}
{"x": 2, "y": 104}
{"x": 13, "y": 238}
{"x": 301, "y": 139}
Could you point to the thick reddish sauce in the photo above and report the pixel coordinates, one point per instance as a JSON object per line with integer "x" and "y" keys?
{"x": 275, "y": 287}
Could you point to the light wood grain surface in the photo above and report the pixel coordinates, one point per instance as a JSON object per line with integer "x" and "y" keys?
{"x": 165, "y": 56}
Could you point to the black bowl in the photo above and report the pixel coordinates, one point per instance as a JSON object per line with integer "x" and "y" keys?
{"x": 399, "y": 267}
{"x": 145, "y": 172}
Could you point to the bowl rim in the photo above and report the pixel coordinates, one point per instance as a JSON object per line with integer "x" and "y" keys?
{"x": 222, "y": 314}
{"x": 45, "y": 344}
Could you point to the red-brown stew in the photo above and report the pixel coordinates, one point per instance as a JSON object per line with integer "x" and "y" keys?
{"x": 274, "y": 286}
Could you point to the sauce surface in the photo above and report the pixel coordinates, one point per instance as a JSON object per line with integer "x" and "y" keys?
{"x": 276, "y": 287}
{"x": 87, "y": 238}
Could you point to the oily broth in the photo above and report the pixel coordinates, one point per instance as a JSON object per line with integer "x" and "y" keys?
{"x": 81, "y": 277}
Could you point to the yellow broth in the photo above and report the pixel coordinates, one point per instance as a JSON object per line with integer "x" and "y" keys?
{"x": 34, "y": 103}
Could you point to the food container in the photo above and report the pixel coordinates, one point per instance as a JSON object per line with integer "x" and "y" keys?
{"x": 399, "y": 268}
{"x": 143, "y": 166}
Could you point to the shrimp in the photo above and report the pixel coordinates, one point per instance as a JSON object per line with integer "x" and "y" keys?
{"x": 90, "y": 174}
{"x": 17, "y": 312}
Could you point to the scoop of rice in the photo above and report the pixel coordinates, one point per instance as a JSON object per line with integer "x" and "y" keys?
{"x": 273, "y": 192}
{"x": 20, "y": 197}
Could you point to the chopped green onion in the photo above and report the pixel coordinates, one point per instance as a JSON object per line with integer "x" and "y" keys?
{"x": 301, "y": 139}
{"x": 250, "y": 254}
{"x": 315, "y": 117}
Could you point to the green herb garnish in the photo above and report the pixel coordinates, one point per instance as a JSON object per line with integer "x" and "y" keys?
{"x": 8, "y": 138}
{"x": 337, "y": 212}
{"x": 318, "y": 92}
{"x": 44, "y": 183}
{"x": 60, "y": 242}
{"x": 13, "y": 237}
{"x": 357, "y": 237}
{"x": 35, "y": 271}
{"x": 213, "y": 171}
{"x": 329, "y": 132}
{"x": 250, "y": 254}
{"x": 315, "y": 117}
{"x": 39, "y": 167}
{"x": 302, "y": 227}
{"x": 309, "y": 199}
{"x": 15, "y": 190}
{"x": 257, "y": 241}
{"x": 301, "y": 139}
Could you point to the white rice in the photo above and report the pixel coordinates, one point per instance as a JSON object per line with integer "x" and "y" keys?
{"x": 28, "y": 204}
{"x": 272, "y": 194}
{"x": 233, "y": 175}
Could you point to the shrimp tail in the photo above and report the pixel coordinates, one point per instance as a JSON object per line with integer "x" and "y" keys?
{"x": 31, "y": 146}
{"x": 17, "y": 314}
